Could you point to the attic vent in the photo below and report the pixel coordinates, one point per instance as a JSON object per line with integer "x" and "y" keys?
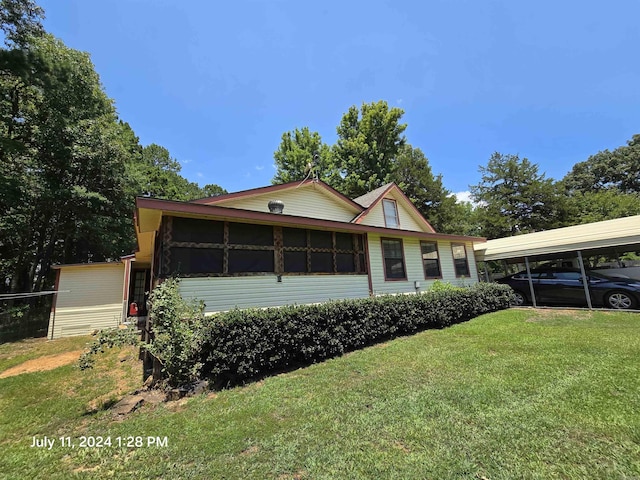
{"x": 276, "y": 206}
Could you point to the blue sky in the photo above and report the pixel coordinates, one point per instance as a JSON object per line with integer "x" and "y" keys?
{"x": 217, "y": 83}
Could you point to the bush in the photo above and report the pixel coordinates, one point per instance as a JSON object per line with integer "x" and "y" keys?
{"x": 241, "y": 344}
{"x": 177, "y": 333}
{"x": 177, "y": 336}
{"x": 108, "y": 338}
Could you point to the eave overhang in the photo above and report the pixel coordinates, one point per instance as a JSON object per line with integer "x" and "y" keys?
{"x": 149, "y": 213}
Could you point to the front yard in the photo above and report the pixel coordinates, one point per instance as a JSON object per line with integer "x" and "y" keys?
{"x": 513, "y": 394}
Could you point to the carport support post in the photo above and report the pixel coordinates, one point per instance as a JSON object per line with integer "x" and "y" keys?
{"x": 585, "y": 283}
{"x": 533, "y": 294}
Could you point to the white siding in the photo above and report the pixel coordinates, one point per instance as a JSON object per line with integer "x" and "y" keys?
{"x": 94, "y": 300}
{"x": 225, "y": 293}
{"x": 307, "y": 201}
{"x": 413, "y": 263}
{"x": 407, "y": 222}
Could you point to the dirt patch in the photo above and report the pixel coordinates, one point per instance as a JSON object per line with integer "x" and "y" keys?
{"x": 42, "y": 364}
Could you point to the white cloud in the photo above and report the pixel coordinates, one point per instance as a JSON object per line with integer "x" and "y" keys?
{"x": 260, "y": 167}
{"x": 463, "y": 196}
{"x": 200, "y": 174}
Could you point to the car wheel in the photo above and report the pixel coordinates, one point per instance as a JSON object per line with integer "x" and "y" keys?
{"x": 518, "y": 299}
{"x": 619, "y": 300}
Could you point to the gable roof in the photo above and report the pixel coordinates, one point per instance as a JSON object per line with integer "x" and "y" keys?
{"x": 276, "y": 188}
{"x": 374, "y": 197}
{"x": 368, "y": 198}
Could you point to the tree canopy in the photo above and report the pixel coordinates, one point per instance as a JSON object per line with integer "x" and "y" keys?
{"x": 514, "y": 198}
{"x": 369, "y": 140}
{"x": 619, "y": 169}
{"x": 298, "y": 152}
{"x": 69, "y": 168}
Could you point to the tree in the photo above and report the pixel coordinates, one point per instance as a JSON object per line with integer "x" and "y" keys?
{"x": 161, "y": 177}
{"x": 60, "y": 141}
{"x": 514, "y": 198}
{"x": 412, "y": 173}
{"x": 461, "y": 218}
{"x": 212, "y": 190}
{"x": 587, "y": 207}
{"x": 369, "y": 140}
{"x": 606, "y": 170}
{"x": 20, "y": 20}
{"x": 298, "y": 151}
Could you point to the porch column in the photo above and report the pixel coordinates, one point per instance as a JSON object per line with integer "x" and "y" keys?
{"x": 585, "y": 282}
{"x": 533, "y": 294}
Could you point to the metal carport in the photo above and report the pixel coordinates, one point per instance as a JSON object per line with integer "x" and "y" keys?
{"x": 598, "y": 238}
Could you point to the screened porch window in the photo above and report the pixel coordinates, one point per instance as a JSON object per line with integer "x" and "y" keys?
{"x": 198, "y": 248}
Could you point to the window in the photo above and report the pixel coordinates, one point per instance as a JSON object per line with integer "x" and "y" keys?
{"x": 200, "y": 248}
{"x": 185, "y": 260}
{"x": 430, "y": 260}
{"x": 392, "y": 253}
{"x": 460, "y": 260}
{"x": 249, "y": 234}
{"x": 196, "y": 230}
{"x": 245, "y": 261}
{"x": 390, "y": 213}
{"x": 567, "y": 275}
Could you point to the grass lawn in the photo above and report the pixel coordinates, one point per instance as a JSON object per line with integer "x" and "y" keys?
{"x": 514, "y": 394}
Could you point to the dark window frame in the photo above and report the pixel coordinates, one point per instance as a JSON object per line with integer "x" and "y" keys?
{"x": 424, "y": 268}
{"x": 384, "y": 263}
{"x": 395, "y": 209}
{"x": 466, "y": 260}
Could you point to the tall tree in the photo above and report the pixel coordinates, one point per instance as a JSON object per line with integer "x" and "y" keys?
{"x": 619, "y": 169}
{"x": 514, "y": 198}
{"x": 411, "y": 171}
{"x": 212, "y": 190}
{"x": 369, "y": 140}
{"x": 161, "y": 177}
{"x": 20, "y": 20}
{"x": 587, "y": 207}
{"x": 60, "y": 141}
{"x": 300, "y": 151}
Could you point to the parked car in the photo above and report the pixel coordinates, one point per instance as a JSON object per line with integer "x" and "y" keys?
{"x": 563, "y": 286}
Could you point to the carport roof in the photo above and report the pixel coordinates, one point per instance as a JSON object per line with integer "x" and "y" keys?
{"x": 610, "y": 235}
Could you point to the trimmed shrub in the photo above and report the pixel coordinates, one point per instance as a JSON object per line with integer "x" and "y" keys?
{"x": 242, "y": 344}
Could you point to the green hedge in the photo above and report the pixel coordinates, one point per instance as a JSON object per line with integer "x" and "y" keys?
{"x": 242, "y": 344}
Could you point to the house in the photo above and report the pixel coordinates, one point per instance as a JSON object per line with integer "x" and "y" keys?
{"x": 234, "y": 251}
{"x": 296, "y": 243}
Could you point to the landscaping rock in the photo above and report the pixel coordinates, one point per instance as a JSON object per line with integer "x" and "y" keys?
{"x": 128, "y": 404}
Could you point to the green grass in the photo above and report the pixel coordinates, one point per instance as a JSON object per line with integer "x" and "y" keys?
{"x": 514, "y": 394}
{"x": 12, "y": 354}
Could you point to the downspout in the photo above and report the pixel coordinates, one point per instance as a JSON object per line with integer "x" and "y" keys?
{"x": 585, "y": 283}
{"x": 533, "y": 294}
